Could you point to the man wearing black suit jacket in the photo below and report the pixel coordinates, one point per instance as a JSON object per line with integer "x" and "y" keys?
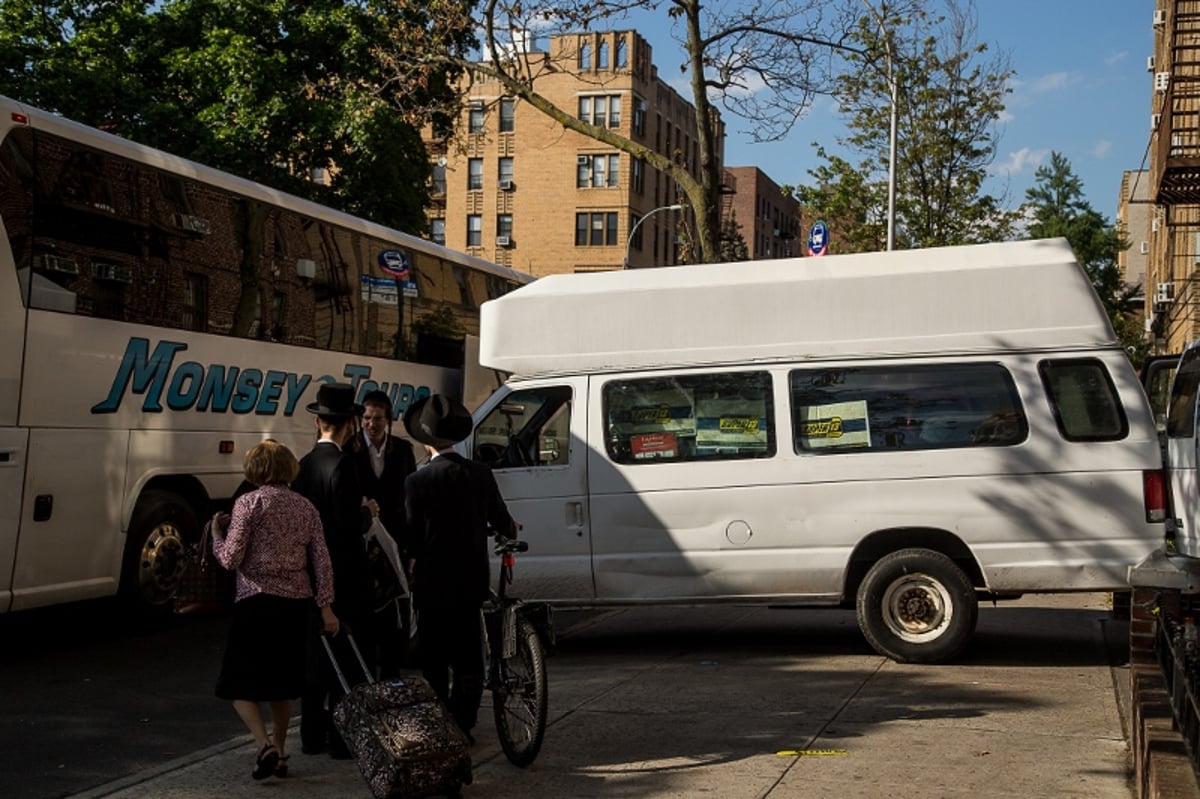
{"x": 329, "y": 479}
{"x": 384, "y": 462}
{"x": 450, "y": 506}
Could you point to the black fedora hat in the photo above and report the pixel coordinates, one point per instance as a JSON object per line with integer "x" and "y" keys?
{"x": 438, "y": 420}
{"x": 335, "y": 400}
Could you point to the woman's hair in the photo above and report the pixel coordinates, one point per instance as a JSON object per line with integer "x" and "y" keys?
{"x": 270, "y": 463}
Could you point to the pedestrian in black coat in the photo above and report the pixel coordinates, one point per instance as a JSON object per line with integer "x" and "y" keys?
{"x": 384, "y": 462}
{"x": 329, "y": 479}
{"x": 452, "y": 506}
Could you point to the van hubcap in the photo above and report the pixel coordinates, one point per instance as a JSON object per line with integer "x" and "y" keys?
{"x": 916, "y": 607}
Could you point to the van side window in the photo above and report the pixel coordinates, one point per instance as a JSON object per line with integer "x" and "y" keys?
{"x": 724, "y": 416}
{"x": 531, "y": 427}
{"x": 1181, "y": 416}
{"x": 1084, "y": 400}
{"x": 875, "y": 408}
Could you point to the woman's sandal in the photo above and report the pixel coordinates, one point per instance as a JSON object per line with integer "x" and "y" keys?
{"x": 282, "y": 770}
{"x": 267, "y": 762}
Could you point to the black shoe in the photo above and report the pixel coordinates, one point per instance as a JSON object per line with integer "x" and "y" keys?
{"x": 265, "y": 765}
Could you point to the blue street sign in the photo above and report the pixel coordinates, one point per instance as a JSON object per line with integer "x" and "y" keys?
{"x": 818, "y": 238}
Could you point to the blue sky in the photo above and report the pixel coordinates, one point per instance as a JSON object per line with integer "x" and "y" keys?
{"x": 1081, "y": 88}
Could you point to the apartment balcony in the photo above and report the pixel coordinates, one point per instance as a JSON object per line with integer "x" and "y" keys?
{"x": 1175, "y": 160}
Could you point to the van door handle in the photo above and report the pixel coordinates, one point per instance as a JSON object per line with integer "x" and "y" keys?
{"x": 575, "y": 517}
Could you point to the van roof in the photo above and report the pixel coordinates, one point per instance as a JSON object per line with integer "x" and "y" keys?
{"x": 985, "y": 298}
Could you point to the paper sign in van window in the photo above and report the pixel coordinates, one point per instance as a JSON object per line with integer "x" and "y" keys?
{"x": 839, "y": 424}
{"x": 653, "y": 445}
{"x": 731, "y": 425}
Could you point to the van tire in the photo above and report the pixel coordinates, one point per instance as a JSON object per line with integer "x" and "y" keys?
{"x": 162, "y": 527}
{"x": 917, "y": 606}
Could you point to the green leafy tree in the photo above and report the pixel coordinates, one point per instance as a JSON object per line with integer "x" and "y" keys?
{"x": 949, "y": 93}
{"x": 1057, "y": 206}
{"x": 733, "y": 244}
{"x": 266, "y": 89}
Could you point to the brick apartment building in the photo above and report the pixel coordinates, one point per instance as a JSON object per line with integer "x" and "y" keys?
{"x": 529, "y": 194}
{"x": 767, "y": 220}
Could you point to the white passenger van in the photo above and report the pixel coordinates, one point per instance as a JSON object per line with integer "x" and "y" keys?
{"x": 1183, "y": 458}
{"x": 903, "y": 433}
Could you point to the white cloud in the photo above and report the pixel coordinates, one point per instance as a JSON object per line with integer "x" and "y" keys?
{"x": 1053, "y": 82}
{"x": 1024, "y": 160}
{"x": 1102, "y": 148}
{"x": 1116, "y": 57}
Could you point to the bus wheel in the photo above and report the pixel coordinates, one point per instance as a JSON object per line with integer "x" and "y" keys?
{"x": 917, "y": 606}
{"x": 162, "y": 526}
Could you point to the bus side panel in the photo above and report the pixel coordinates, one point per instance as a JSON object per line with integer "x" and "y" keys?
{"x": 72, "y": 554}
{"x": 12, "y": 337}
{"x": 13, "y": 446}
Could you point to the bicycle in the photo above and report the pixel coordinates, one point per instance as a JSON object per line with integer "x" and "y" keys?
{"x": 515, "y": 668}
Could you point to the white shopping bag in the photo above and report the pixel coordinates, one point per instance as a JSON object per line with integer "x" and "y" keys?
{"x": 392, "y": 553}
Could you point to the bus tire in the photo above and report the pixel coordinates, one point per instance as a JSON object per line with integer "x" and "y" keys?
{"x": 917, "y": 606}
{"x": 162, "y": 527}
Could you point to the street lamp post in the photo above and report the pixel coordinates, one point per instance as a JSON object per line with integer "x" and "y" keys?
{"x": 892, "y": 85}
{"x": 636, "y": 225}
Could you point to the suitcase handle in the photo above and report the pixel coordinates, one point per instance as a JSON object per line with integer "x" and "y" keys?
{"x": 337, "y": 667}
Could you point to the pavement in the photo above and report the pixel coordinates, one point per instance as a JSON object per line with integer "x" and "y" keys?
{"x": 737, "y": 702}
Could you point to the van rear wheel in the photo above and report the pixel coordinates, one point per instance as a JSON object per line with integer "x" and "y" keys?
{"x": 917, "y": 606}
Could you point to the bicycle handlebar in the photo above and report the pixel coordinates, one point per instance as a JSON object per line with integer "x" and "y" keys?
{"x": 505, "y": 544}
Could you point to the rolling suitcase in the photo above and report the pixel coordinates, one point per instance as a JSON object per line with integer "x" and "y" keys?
{"x": 405, "y": 741}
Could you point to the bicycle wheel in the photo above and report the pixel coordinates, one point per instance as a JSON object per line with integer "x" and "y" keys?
{"x": 519, "y": 698}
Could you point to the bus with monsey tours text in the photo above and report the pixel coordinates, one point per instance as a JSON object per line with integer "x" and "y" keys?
{"x": 158, "y": 318}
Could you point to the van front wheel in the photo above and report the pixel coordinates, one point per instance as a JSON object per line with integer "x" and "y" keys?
{"x": 917, "y": 606}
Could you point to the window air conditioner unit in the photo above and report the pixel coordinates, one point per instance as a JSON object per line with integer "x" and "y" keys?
{"x": 118, "y": 273}
{"x": 503, "y": 241}
{"x": 1160, "y": 17}
{"x": 1154, "y": 226}
{"x": 583, "y": 160}
{"x": 1149, "y": 63}
{"x": 506, "y": 185}
{"x": 1162, "y": 80}
{"x": 194, "y": 224}
{"x": 1154, "y": 120}
{"x": 1145, "y": 249}
{"x": 57, "y": 263}
{"x": 1164, "y": 292}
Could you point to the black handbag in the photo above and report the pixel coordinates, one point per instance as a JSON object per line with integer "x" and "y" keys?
{"x": 204, "y": 585}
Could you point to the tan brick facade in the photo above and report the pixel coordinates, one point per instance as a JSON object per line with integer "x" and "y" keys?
{"x": 612, "y": 71}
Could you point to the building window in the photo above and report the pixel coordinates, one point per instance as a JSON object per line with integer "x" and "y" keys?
{"x": 635, "y": 241}
{"x": 474, "y": 230}
{"x": 595, "y": 229}
{"x": 195, "y": 302}
{"x": 637, "y": 171}
{"x": 504, "y": 169}
{"x": 504, "y": 225}
{"x": 599, "y": 111}
{"x": 475, "y": 173}
{"x": 639, "y": 116}
{"x": 439, "y": 180}
{"x": 614, "y": 111}
{"x": 585, "y": 109}
{"x": 507, "y": 111}
{"x": 475, "y": 120}
{"x": 437, "y": 231}
{"x": 598, "y": 171}
{"x": 622, "y": 54}
{"x": 585, "y": 55}
{"x": 602, "y": 56}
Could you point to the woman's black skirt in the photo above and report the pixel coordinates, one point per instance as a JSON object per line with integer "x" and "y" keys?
{"x": 265, "y": 649}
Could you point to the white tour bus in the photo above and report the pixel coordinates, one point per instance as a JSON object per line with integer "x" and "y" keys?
{"x": 157, "y": 318}
{"x": 897, "y": 432}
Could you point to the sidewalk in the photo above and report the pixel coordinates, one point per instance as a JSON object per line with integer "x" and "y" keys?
{"x": 755, "y": 702}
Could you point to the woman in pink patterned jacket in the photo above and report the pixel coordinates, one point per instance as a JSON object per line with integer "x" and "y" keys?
{"x": 273, "y": 541}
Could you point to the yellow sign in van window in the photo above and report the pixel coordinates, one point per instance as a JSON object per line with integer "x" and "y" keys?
{"x": 839, "y": 424}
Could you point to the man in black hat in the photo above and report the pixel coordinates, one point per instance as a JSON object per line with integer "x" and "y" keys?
{"x": 450, "y": 506}
{"x": 329, "y": 479}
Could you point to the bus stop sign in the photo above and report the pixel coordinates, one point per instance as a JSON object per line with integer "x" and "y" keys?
{"x": 818, "y": 238}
